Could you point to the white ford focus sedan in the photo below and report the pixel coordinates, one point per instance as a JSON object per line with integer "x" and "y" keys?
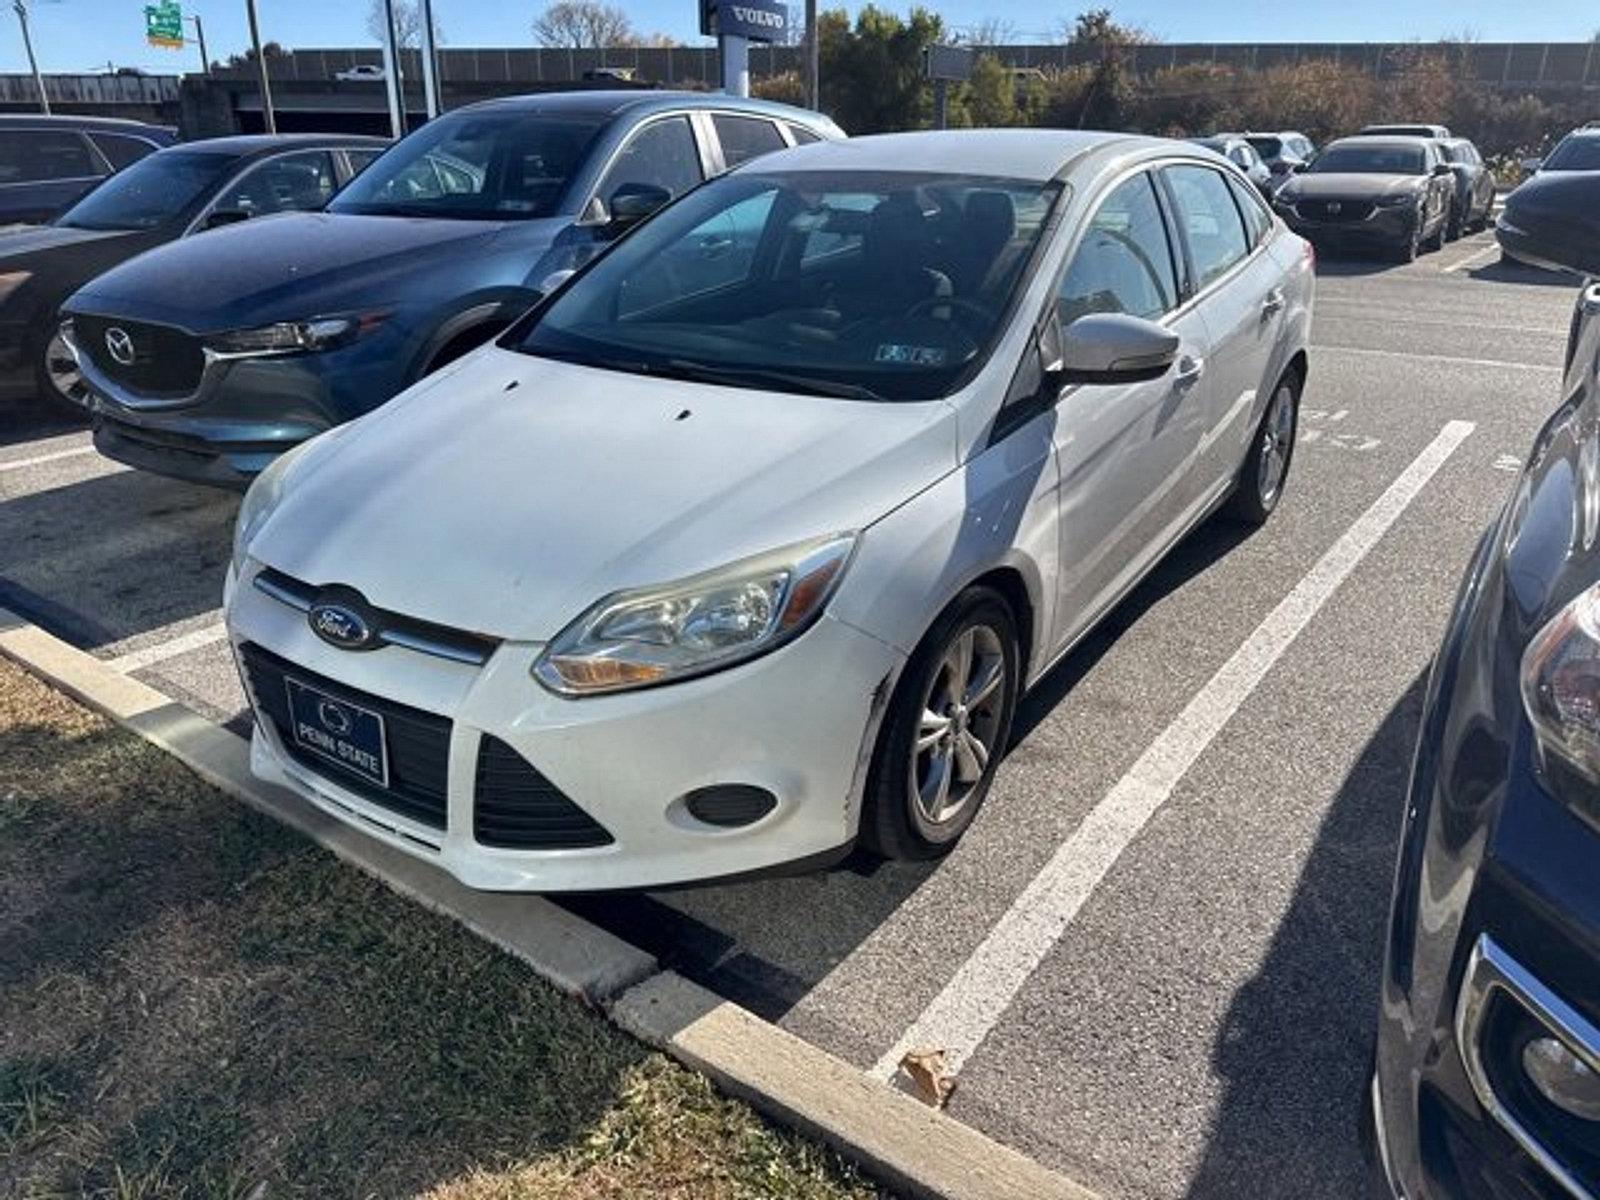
{"x": 742, "y": 545}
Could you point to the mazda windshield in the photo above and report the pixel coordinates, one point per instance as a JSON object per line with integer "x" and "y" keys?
{"x": 150, "y": 193}
{"x": 1371, "y": 160}
{"x": 486, "y": 167}
{"x": 873, "y": 285}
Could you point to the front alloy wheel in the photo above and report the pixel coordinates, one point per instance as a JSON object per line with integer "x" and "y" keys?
{"x": 945, "y": 730}
{"x": 59, "y": 377}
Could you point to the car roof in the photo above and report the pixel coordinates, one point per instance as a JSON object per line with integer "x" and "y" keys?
{"x": 70, "y": 121}
{"x": 1391, "y": 141}
{"x": 262, "y": 143}
{"x": 610, "y": 102}
{"x": 1030, "y": 154}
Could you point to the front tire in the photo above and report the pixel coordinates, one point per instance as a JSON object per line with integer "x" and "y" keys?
{"x": 945, "y": 731}
{"x": 1266, "y": 470}
{"x": 57, "y": 378}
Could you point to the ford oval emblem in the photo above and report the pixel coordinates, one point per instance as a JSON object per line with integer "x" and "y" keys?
{"x": 342, "y": 626}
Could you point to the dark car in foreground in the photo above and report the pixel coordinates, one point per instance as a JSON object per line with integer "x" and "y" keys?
{"x": 168, "y": 195}
{"x": 1475, "y": 188}
{"x": 249, "y": 341}
{"x": 1388, "y": 193}
{"x": 1488, "y": 1055}
{"x": 46, "y": 163}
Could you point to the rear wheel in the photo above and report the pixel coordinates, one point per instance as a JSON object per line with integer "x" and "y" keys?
{"x": 945, "y": 731}
{"x": 1436, "y": 242}
{"x": 1266, "y": 470}
{"x": 57, "y": 377}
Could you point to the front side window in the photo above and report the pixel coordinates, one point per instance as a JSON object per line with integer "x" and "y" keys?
{"x": 289, "y": 183}
{"x": 150, "y": 193}
{"x": 40, "y": 155}
{"x": 1267, "y": 147}
{"x": 1210, "y": 221}
{"x": 661, "y": 155}
{"x": 360, "y": 160}
{"x": 859, "y": 284}
{"x": 1124, "y": 264}
{"x": 494, "y": 166}
{"x": 744, "y": 138}
{"x": 1257, "y": 220}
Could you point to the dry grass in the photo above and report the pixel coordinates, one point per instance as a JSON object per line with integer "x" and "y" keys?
{"x": 197, "y": 1003}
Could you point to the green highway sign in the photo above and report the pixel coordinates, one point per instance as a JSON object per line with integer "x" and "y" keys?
{"x": 163, "y": 25}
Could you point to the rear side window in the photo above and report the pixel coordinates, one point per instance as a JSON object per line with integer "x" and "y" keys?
{"x": 1257, "y": 220}
{"x": 39, "y": 155}
{"x": 1124, "y": 264}
{"x": 1210, "y": 221}
{"x": 291, "y": 182}
{"x": 803, "y": 136}
{"x": 120, "y": 151}
{"x": 360, "y": 160}
{"x": 744, "y": 138}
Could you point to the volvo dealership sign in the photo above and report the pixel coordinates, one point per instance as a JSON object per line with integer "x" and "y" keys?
{"x": 756, "y": 20}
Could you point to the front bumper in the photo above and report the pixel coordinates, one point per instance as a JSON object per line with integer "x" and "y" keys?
{"x": 1382, "y": 226}
{"x": 798, "y": 723}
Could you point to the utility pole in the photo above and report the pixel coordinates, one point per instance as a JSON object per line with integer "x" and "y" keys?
{"x": 27, "y": 41}
{"x": 267, "y": 114}
{"x": 813, "y": 60}
{"x": 200, "y": 36}
{"x": 391, "y": 73}
{"x": 430, "y": 62}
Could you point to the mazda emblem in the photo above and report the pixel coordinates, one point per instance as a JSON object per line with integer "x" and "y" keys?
{"x": 335, "y": 718}
{"x": 1335, "y": 207}
{"x": 342, "y": 626}
{"x": 119, "y": 343}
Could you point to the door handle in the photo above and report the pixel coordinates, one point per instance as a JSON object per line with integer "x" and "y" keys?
{"x": 1189, "y": 371}
{"x": 1274, "y": 303}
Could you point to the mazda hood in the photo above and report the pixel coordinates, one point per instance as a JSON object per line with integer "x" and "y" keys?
{"x": 1350, "y": 187}
{"x": 508, "y": 494}
{"x": 284, "y": 268}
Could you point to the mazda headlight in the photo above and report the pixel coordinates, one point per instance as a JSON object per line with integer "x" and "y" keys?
{"x": 292, "y": 337}
{"x": 260, "y": 501}
{"x": 1561, "y": 686}
{"x": 647, "y": 636}
{"x": 1397, "y": 200}
{"x": 10, "y": 281}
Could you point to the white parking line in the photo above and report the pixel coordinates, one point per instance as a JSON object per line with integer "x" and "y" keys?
{"x": 138, "y": 660}
{"x": 37, "y": 460}
{"x": 961, "y": 1016}
{"x": 1413, "y": 356}
{"x": 1473, "y": 260}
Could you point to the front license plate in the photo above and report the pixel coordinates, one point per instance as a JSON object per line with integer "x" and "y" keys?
{"x": 338, "y": 731}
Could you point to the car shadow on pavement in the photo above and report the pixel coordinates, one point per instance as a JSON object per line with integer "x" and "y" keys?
{"x": 1294, "y": 1049}
{"x": 1505, "y": 271}
{"x": 29, "y": 420}
{"x": 112, "y": 556}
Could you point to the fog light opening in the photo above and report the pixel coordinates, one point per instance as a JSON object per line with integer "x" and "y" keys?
{"x": 1562, "y": 1078}
{"x": 730, "y": 805}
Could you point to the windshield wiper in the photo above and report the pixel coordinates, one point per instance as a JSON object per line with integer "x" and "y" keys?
{"x": 682, "y": 368}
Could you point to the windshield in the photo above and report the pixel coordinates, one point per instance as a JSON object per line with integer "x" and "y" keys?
{"x": 151, "y": 192}
{"x": 1267, "y": 147}
{"x": 1371, "y": 160}
{"x": 871, "y": 285}
{"x": 482, "y": 167}
{"x": 1575, "y": 154}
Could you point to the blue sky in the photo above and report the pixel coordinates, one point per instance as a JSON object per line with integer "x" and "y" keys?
{"x": 75, "y": 35}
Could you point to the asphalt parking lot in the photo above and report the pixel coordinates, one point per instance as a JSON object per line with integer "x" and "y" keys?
{"x": 1155, "y": 955}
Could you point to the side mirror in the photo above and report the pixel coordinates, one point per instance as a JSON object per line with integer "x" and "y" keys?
{"x": 1107, "y": 348}
{"x": 633, "y": 202}
{"x": 1442, "y": 169}
{"x": 1531, "y": 165}
{"x": 219, "y": 217}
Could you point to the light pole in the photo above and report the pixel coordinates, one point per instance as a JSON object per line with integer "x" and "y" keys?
{"x": 430, "y": 62}
{"x": 200, "y": 36}
{"x": 267, "y": 115}
{"x": 27, "y": 41}
{"x": 391, "y": 73}
{"x": 813, "y": 59}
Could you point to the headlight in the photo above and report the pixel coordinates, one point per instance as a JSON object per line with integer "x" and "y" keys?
{"x": 1561, "y": 686}
{"x": 1399, "y": 200}
{"x": 291, "y": 337}
{"x": 259, "y": 502}
{"x": 10, "y": 281}
{"x": 656, "y": 635}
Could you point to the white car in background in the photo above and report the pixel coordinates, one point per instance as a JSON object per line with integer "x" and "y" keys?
{"x": 365, "y": 73}
{"x": 744, "y": 543}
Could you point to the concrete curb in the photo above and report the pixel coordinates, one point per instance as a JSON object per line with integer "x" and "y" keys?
{"x": 916, "y": 1150}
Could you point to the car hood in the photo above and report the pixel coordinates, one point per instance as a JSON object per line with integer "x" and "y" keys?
{"x": 1560, "y": 210}
{"x": 1350, "y": 187}
{"x": 35, "y": 243}
{"x": 507, "y": 494}
{"x": 285, "y": 267}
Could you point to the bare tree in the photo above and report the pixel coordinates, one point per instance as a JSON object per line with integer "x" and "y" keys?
{"x": 991, "y": 31}
{"x": 583, "y": 25}
{"x": 407, "y": 23}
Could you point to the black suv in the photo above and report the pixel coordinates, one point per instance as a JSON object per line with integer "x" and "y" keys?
{"x": 46, "y": 163}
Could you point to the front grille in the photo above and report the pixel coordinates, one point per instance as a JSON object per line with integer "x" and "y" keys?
{"x": 167, "y": 361}
{"x": 1335, "y": 212}
{"x": 418, "y": 742}
{"x": 516, "y": 807}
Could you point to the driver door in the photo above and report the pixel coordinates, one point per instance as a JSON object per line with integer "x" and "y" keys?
{"x": 1123, "y": 450}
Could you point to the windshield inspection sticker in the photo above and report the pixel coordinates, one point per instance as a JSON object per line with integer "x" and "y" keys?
{"x": 909, "y": 356}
